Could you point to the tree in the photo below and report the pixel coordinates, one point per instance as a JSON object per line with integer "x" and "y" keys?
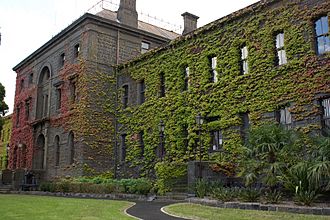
{"x": 3, "y": 105}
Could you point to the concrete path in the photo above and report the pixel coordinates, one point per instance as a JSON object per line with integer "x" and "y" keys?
{"x": 150, "y": 211}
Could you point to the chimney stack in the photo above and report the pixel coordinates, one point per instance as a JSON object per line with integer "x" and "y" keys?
{"x": 127, "y": 13}
{"x": 190, "y": 22}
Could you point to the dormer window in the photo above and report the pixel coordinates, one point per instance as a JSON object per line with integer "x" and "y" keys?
{"x": 145, "y": 47}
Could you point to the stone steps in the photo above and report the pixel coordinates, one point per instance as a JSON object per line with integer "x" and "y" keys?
{"x": 5, "y": 189}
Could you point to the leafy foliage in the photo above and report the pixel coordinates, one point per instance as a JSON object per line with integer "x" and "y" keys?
{"x": 3, "y": 105}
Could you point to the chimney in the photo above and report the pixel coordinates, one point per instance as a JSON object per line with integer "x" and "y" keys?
{"x": 127, "y": 13}
{"x": 190, "y": 22}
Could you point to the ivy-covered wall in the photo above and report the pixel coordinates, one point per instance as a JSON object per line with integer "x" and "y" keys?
{"x": 4, "y": 140}
{"x": 266, "y": 87}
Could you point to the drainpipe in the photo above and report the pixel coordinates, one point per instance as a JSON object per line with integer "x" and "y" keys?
{"x": 116, "y": 105}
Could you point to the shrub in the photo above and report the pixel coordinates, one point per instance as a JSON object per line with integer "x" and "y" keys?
{"x": 305, "y": 197}
{"x": 249, "y": 195}
{"x": 225, "y": 194}
{"x": 201, "y": 188}
{"x": 273, "y": 197}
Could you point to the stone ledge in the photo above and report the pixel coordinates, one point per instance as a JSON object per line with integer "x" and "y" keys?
{"x": 262, "y": 207}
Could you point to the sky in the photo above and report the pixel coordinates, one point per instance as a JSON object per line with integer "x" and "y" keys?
{"x": 25, "y": 25}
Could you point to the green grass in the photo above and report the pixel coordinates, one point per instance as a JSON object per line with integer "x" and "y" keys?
{"x": 42, "y": 207}
{"x": 201, "y": 212}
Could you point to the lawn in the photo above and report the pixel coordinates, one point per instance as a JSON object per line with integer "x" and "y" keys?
{"x": 44, "y": 208}
{"x": 200, "y": 212}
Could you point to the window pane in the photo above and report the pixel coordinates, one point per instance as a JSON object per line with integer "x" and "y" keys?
{"x": 280, "y": 40}
{"x": 245, "y": 67}
{"x": 326, "y": 107}
{"x": 325, "y": 25}
{"x": 214, "y": 62}
{"x": 327, "y": 44}
{"x": 281, "y": 57}
{"x": 320, "y": 45}
{"x": 318, "y": 27}
{"x": 187, "y": 72}
{"x": 244, "y": 52}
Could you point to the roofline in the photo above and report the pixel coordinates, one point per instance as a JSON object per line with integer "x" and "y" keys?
{"x": 201, "y": 30}
{"x": 75, "y": 24}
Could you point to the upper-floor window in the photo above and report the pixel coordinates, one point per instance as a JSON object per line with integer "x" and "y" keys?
{"x": 21, "y": 85}
{"x": 58, "y": 94}
{"x": 62, "y": 59}
{"x": 76, "y": 50}
{"x": 162, "y": 85}
{"x": 73, "y": 91}
{"x": 144, "y": 47}
{"x": 123, "y": 147}
{"x": 125, "y": 96}
{"x": 244, "y": 61}
{"x": 216, "y": 140}
{"x": 141, "y": 142}
{"x": 280, "y": 52}
{"x": 325, "y": 116}
{"x": 322, "y": 35}
{"x": 18, "y": 112}
{"x": 141, "y": 92}
{"x": 214, "y": 73}
{"x": 284, "y": 117}
{"x": 186, "y": 78}
{"x": 31, "y": 79}
{"x": 27, "y": 109}
{"x": 244, "y": 126}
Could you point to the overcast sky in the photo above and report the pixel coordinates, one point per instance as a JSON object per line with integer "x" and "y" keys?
{"x": 25, "y": 25}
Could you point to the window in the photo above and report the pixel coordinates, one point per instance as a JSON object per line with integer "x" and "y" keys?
{"x": 162, "y": 85}
{"x": 45, "y": 108}
{"x": 21, "y": 85}
{"x": 214, "y": 73}
{"x": 73, "y": 91}
{"x": 284, "y": 117}
{"x": 18, "y": 110}
{"x": 322, "y": 35}
{"x": 325, "y": 116}
{"x": 71, "y": 147}
{"x": 123, "y": 147}
{"x": 57, "y": 147}
{"x": 185, "y": 134}
{"x": 31, "y": 79}
{"x": 141, "y": 142}
{"x": 280, "y": 52}
{"x": 125, "y": 96}
{"x": 58, "y": 94}
{"x": 244, "y": 126}
{"x": 244, "y": 62}
{"x": 145, "y": 47}
{"x": 141, "y": 92}
{"x": 27, "y": 109}
{"x": 76, "y": 50}
{"x": 216, "y": 140}
{"x": 186, "y": 78}
{"x": 62, "y": 59}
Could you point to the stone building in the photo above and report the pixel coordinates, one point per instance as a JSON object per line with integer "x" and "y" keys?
{"x": 50, "y": 135}
{"x": 266, "y": 62}
{"x": 87, "y": 103}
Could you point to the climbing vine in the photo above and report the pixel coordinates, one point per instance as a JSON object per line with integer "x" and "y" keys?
{"x": 263, "y": 90}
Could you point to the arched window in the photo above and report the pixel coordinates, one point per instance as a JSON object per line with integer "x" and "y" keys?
{"x": 43, "y": 90}
{"x": 71, "y": 147}
{"x": 57, "y": 148}
{"x": 39, "y": 151}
